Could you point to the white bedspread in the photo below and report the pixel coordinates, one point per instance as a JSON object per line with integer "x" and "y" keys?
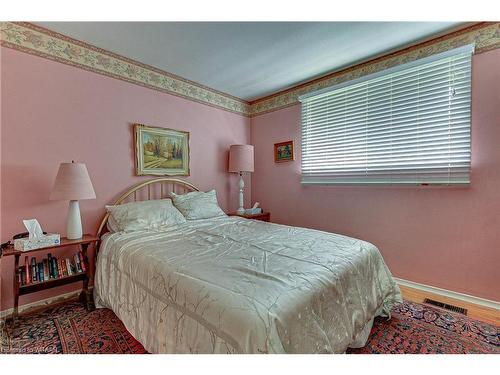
{"x": 231, "y": 285}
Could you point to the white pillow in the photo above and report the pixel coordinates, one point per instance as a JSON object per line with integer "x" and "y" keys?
{"x": 197, "y": 205}
{"x": 152, "y": 214}
{"x": 112, "y": 224}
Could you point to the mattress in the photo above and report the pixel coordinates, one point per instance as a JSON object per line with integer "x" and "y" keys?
{"x": 232, "y": 285}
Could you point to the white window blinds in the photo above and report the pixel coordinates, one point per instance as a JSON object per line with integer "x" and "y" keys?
{"x": 405, "y": 125}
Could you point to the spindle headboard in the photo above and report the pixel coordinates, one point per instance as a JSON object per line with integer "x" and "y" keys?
{"x": 156, "y": 188}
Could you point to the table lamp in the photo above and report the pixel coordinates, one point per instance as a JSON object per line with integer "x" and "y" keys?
{"x": 73, "y": 184}
{"x": 241, "y": 160}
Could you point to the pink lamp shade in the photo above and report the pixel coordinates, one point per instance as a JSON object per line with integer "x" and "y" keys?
{"x": 241, "y": 158}
{"x": 72, "y": 183}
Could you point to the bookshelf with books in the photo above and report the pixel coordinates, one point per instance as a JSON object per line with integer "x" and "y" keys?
{"x": 34, "y": 273}
{"x": 48, "y": 270}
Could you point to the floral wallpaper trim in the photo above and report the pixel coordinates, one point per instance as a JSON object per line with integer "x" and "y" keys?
{"x": 39, "y": 41}
{"x": 29, "y": 38}
{"x": 486, "y": 37}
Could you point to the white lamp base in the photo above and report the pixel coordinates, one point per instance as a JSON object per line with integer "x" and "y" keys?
{"x": 74, "y": 228}
{"x": 241, "y": 209}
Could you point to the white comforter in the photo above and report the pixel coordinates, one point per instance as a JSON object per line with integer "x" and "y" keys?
{"x": 243, "y": 286}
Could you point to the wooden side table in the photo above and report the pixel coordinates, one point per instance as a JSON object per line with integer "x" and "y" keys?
{"x": 264, "y": 216}
{"x": 84, "y": 276}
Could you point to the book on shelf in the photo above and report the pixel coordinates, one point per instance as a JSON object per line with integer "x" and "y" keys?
{"x": 34, "y": 272}
{"x": 77, "y": 263}
{"x": 40, "y": 275}
{"x": 59, "y": 268}
{"x": 27, "y": 269}
{"x": 82, "y": 261}
{"x": 68, "y": 267}
{"x": 51, "y": 265}
{"x": 54, "y": 268}
{"x": 63, "y": 266}
{"x": 46, "y": 269}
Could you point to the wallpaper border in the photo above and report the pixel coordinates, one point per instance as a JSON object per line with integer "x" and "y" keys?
{"x": 39, "y": 41}
{"x": 485, "y": 35}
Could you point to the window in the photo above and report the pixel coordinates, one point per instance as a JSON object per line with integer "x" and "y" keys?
{"x": 405, "y": 125}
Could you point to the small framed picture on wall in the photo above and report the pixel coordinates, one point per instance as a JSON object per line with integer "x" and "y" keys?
{"x": 283, "y": 152}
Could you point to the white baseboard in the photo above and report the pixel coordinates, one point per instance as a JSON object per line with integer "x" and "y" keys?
{"x": 41, "y": 303}
{"x": 449, "y": 293}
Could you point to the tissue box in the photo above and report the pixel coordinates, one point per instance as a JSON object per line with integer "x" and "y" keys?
{"x": 253, "y": 211}
{"x": 25, "y": 244}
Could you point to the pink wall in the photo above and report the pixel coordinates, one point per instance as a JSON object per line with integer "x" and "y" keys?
{"x": 51, "y": 112}
{"x": 440, "y": 236}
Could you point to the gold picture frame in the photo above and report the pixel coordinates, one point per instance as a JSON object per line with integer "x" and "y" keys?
{"x": 284, "y": 151}
{"x": 161, "y": 151}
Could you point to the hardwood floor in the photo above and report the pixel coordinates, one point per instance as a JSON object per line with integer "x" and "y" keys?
{"x": 484, "y": 314}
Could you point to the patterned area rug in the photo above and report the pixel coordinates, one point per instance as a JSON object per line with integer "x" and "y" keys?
{"x": 70, "y": 328}
{"x": 421, "y": 329}
{"x": 414, "y": 328}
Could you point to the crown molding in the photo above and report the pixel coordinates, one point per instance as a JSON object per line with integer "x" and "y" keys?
{"x": 39, "y": 41}
{"x": 485, "y": 36}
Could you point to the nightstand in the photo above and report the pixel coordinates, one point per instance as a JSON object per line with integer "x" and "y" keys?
{"x": 84, "y": 276}
{"x": 264, "y": 216}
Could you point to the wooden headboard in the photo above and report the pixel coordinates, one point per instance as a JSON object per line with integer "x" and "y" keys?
{"x": 156, "y": 188}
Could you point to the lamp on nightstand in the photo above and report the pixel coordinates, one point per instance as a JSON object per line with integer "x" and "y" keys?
{"x": 73, "y": 184}
{"x": 241, "y": 160}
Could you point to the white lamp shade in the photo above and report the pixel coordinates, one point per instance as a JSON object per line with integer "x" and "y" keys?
{"x": 241, "y": 158}
{"x": 72, "y": 183}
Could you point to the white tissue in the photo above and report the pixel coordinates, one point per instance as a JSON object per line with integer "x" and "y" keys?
{"x": 34, "y": 228}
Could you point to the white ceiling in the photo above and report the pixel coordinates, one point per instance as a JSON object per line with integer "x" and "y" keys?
{"x": 249, "y": 60}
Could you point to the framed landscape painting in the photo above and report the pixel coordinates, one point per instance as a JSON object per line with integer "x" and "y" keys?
{"x": 283, "y": 152}
{"x": 161, "y": 151}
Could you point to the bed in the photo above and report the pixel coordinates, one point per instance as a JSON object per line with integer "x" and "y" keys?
{"x": 233, "y": 285}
